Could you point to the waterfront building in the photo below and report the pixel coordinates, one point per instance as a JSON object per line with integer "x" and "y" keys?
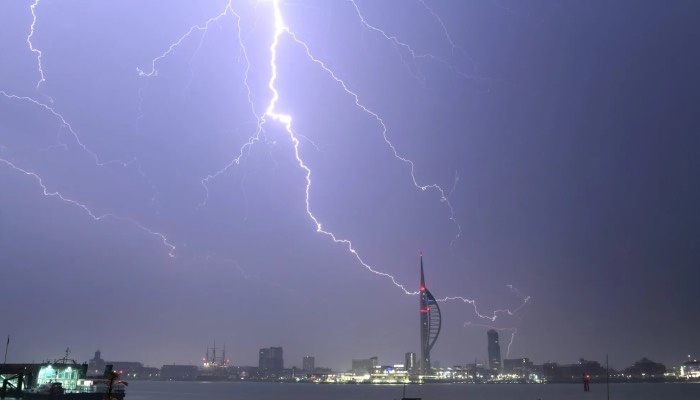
{"x": 271, "y": 361}
{"x": 494, "y": 349}
{"x": 309, "y": 364}
{"x": 149, "y": 373}
{"x": 477, "y": 370}
{"x": 364, "y": 366}
{"x": 690, "y": 369}
{"x": 550, "y": 371}
{"x": 517, "y": 366}
{"x": 128, "y": 369}
{"x": 645, "y": 369}
{"x": 389, "y": 374}
{"x": 410, "y": 362}
{"x": 96, "y": 365}
{"x": 554, "y": 372}
{"x": 179, "y": 372}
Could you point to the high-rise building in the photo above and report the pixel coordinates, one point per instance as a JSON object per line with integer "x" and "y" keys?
{"x": 410, "y": 362}
{"x": 494, "y": 351}
{"x": 430, "y": 323}
{"x": 309, "y": 364}
{"x": 271, "y": 361}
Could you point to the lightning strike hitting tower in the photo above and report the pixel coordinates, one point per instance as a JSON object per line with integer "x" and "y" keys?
{"x": 430, "y": 323}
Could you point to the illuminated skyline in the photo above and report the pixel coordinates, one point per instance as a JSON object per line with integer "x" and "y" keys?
{"x": 184, "y": 169}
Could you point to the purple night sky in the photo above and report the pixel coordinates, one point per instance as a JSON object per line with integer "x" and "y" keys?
{"x": 557, "y": 143}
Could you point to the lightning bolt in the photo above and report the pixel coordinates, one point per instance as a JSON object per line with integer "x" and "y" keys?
{"x": 82, "y": 145}
{"x": 495, "y": 313}
{"x": 444, "y": 28}
{"x": 31, "y": 46}
{"x": 86, "y": 209}
{"x": 513, "y": 330}
{"x": 175, "y": 45}
{"x": 416, "y": 55}
{"x": 259, "y": 121}
{"x": 249, "y": 96}
{"x": 285, "y": 120}
{"x": 94, "y": 157}
{"x": 512, "y": 339}
{"x": 272, "y": 114}
{"x": 68, "y": 126}
{"x": 380, "y": 121}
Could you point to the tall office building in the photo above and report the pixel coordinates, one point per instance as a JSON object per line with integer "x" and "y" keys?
{"x": 430, "y": 323}
{"x": 271, "y": 361}
{"x": 309, "y": 364}
{"x": 410, "y": 362}
{"x": 494, "y": 351}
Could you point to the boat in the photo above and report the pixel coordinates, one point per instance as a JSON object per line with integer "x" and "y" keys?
{"x": 408, "y": 398}
{"x": 83, "y": 390}
{"x": 80, "y": 389}
{"x": 45, "y": 391}
{"x": 65, "y": 379}
{"x": 214, "y": 368}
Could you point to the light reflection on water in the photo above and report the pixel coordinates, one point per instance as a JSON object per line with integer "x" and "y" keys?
{"x": 141, "y": 390}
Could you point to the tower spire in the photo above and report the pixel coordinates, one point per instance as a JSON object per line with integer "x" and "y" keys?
{"x": 422, "y": 277}
{"x": 430, "y": 322}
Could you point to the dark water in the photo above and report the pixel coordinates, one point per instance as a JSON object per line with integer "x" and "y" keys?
{"x": 139, "y": 390}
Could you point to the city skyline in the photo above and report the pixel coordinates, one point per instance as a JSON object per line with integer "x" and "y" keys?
{"x": 266, "y": 173}
{"x": 272, "y": 360}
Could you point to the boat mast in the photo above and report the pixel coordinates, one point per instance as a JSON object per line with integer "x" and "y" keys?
{"x": 6, "y": 347}
{"x": 607, "y": 377}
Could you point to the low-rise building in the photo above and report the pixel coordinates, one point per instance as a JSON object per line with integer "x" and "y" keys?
{"x": 179, "y": 372}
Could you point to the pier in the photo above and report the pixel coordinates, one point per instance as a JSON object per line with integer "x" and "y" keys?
{"x": 15, "y": 377}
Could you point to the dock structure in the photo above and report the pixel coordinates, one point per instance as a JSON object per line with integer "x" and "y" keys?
{"x": 16, "y": 377}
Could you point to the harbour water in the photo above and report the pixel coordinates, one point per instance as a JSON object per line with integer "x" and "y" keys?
{"x": 144, "y": 390}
